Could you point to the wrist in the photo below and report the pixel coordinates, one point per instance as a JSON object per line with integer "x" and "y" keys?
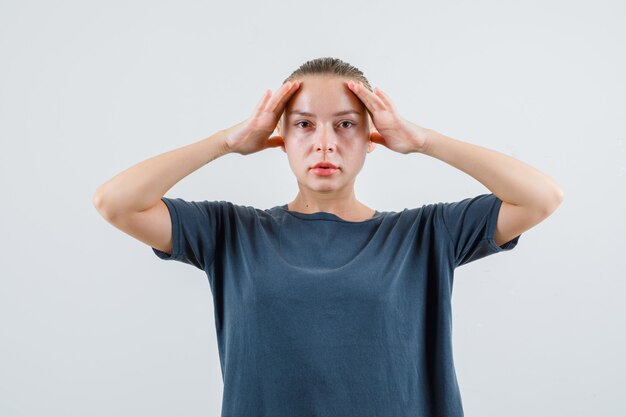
{"x": 423, "y": 137}
{"x": 224, "y": 142}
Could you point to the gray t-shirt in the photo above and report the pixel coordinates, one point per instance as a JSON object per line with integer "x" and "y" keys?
{"x": 318, "y": 316}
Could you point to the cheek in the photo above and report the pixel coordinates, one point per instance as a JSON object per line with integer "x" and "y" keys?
{"x": 358, "y": 154}
{"x": 295, "y": 156}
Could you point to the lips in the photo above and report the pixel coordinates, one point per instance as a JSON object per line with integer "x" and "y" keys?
{"x": 327, "y": 165}
{"x": 324, "y": 169}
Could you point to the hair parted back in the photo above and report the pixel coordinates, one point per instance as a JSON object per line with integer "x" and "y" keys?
{"x": 329, "y": 66}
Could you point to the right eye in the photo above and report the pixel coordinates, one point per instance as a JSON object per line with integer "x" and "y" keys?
{"x": 298, "y": 124}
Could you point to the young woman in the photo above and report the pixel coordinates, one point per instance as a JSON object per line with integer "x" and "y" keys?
{"x": 325, "y": 306}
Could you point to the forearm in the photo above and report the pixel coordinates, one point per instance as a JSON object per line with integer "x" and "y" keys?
{"x": 508, "y": 178}
{"x": 141, "y": 186}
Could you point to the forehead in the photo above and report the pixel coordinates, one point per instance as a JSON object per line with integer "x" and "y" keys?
{"x": 323, "y": 96}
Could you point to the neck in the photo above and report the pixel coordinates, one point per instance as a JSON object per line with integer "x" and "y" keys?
{"x": 344, "y": 206}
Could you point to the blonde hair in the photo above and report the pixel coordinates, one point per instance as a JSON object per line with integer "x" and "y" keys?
{"x": 329, "y": 66}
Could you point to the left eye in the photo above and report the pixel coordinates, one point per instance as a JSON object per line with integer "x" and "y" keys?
{"x": 345, "y": 121}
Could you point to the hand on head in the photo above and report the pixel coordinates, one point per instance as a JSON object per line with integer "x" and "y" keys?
{"x": 253, "y": 134}
{"x": 392, "y": 130}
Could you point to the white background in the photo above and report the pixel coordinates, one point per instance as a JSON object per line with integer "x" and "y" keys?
{"x": 92, "y": 323}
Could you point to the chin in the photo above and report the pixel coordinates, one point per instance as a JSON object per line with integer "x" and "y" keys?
{"x": 317, "y": 186}
{"x": 326, "y": 186}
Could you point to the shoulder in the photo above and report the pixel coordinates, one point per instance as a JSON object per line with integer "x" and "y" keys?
{"x": 215, "y": 209}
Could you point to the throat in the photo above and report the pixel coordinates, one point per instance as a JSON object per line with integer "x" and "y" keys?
{"x": 358, "y": 215}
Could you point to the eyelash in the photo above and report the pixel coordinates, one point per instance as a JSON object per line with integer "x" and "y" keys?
{"x": 345, "y": 121}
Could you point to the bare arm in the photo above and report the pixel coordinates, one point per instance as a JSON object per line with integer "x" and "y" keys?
{"x": 529, "y": 196}
{"x": 510, "y": 179}
{"x": 131, "y": 201}
{"x": 141, "y": 186}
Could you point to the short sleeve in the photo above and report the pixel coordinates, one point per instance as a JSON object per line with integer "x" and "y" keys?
{"x": 471, "y": 224}
{"x": 195, "y": 230}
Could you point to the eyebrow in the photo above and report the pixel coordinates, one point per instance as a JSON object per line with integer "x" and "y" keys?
{"x": 341, "y": 113}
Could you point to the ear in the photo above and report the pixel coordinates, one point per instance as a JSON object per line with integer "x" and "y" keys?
{"x": 371, "y": 124}
{"x": 370, "y": 146}
{"x": 280, "y": 138}
{"x": 373, "y": 132}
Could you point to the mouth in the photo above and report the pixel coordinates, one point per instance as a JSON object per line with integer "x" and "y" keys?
{"x": 324, "y": 169}
{"x": 324, "y": 165}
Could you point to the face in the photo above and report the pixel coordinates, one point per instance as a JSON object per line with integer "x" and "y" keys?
{"x": 322, "y": 135}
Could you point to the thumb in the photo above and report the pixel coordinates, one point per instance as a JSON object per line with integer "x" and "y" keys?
{"x": 275, "y": 142}
{"x": 378, "y": 138}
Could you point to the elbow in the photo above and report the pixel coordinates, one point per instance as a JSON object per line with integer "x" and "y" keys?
{"x": 96, "y": 199}
{"x": 99, "y": 203}
{"x": 554, "y": 201}
{"x": 559, "y": 194}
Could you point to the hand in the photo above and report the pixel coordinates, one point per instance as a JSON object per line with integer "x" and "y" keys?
{"x": 392, "y": 130}
{"x": 253, "y": 134}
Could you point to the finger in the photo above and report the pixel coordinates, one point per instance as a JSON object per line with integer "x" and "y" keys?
{"x": 371, "y": 101}
{"x": 383, "y": 97}
{"x": 261, "y": 104}
{"x": 265, "y": 101}
{"x": 378, "y": 138}
{"x": 274, "y": 142}
{"x": 283, "y": 94}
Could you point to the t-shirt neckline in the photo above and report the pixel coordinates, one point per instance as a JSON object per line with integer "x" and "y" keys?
{"x": 322, "y": 215}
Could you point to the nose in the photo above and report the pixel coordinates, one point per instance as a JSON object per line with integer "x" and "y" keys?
{"x": 325, "y": 143}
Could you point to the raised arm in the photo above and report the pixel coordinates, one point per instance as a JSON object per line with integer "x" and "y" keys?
{"x": 528, "y": 195}
{"x": 131, "y": 201}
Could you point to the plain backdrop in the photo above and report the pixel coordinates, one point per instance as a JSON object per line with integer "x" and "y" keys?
{"x": 92, "y": 323}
